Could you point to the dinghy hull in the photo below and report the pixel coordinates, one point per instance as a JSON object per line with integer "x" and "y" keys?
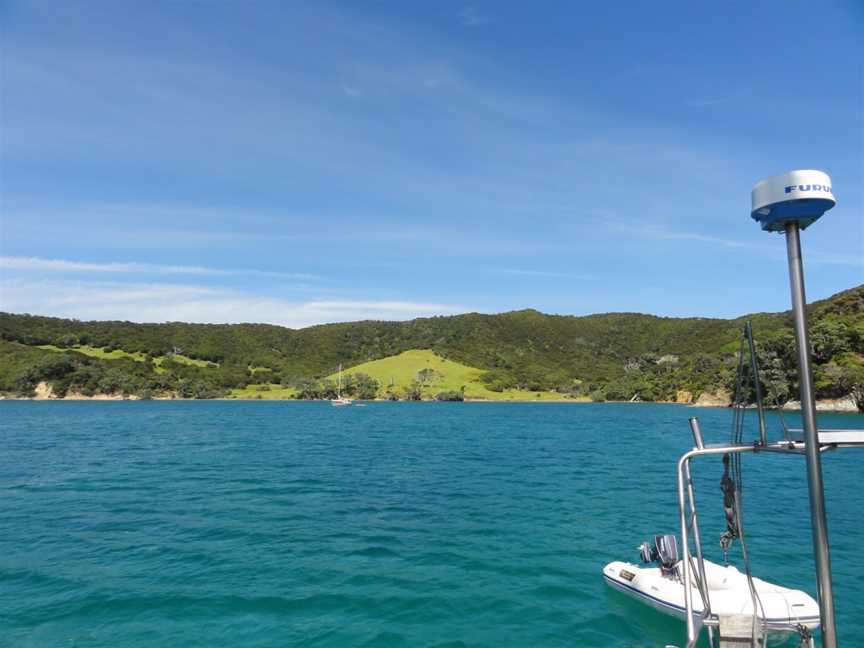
{"x": 781, "y": 609}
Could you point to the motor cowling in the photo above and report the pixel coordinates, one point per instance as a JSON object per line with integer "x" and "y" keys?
{"x": 663, "y": 551}
{"x": 667, "y": 550}
{"x": 648, "y": 553}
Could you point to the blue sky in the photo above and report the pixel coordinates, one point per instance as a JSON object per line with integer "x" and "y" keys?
{"x": 300, "y": 163}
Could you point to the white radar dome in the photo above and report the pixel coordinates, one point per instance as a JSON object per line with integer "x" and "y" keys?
{"x": 797, "y": 196}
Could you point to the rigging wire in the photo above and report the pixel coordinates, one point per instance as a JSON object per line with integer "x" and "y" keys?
{"x": 733, "y": 484}
{"x": 747, "y": 377}
{"x": 786, "y": 435}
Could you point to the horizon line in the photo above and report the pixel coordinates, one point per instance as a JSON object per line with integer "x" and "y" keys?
{"x": 414, "y": 319}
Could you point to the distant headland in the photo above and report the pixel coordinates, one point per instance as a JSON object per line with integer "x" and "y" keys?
{"x": 515, "y": 356}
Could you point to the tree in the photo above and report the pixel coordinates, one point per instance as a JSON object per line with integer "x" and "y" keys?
{"x": 117, "y": 381}
{"x": 427, "y": 375}
{"x": 365, "y": 386}
{"x": 328, "y": 389}
{"x": 25, "y": 381}
{"x": 498, "y": 380}
{"x": 86, "y": 379}
{"x": 414, "y": 391}
{"x": 308, "y": 389}
{"x": 829, "y": 338}
{"x": 54, "y": 366}
{"x": 851, "y": 377}
{"x": 198, "y": 389}
{"x": 66, "y": 341}
{"x": 858, "y": 396}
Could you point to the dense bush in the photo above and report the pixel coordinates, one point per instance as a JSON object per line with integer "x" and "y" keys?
{"x": 618, "y": 356}
{"x": 451, "y": 395}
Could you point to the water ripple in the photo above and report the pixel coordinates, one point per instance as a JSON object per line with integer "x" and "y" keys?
{"x": 439, "y": 525}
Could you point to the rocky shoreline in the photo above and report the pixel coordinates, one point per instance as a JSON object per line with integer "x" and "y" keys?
{"x": 43, "y": 392}
{"x": 724, "y": 399}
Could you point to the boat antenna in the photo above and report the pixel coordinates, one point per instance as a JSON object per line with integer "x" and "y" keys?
{"x": 789, "y": 203}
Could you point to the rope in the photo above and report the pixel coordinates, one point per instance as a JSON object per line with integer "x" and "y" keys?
{"x": 805, "y": 635}
{"x": 786, "y": 435}
{"x": 727, "y": 486}
{"x": 732, "y": 482}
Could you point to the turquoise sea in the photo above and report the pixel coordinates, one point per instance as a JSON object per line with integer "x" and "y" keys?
{"x": 397, "y": 524}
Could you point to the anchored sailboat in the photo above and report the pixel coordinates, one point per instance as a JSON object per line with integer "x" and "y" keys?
{"x": 340, "y": 401}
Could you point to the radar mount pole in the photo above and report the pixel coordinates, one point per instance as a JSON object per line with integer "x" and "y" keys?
{"x": 788, "y": 203}
{"x": 811, "y": 439}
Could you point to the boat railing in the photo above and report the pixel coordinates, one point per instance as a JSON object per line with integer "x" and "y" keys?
{"x": 828, "y": 440}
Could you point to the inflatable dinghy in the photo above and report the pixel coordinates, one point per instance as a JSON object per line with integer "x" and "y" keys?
{"x": 778, "y": 609}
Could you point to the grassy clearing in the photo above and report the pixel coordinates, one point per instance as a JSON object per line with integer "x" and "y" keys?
{"x": 396, "y": 373}
{"x": 95, "y": 352}
{"x": 264, "y": 392}
{"x": 187, "y": 361}
{"x": 524, "y": 395}
{"x": 137, "y": 356}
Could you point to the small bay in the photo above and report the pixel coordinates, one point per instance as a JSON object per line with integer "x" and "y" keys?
{"x": 215, "y": 523}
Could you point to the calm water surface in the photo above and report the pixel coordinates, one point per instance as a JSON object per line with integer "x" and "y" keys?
{"x": 397, "y": 524}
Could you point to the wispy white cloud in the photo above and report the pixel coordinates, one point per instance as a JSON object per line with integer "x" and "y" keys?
{"x": 350, "y": 90}
{"x": 832, "y": 258}
{"x": 375, "y": 79}
{"x": 814, "y": 256}
{"x": 36, "y": 264}
{"x": 472, "y": 16}
{"x": 663, "y": 233}
{"x": 154, "y": 302}
{"x": 703, "y": 102}
{"x": 139, "y": 230}
{"x": 541, "y": 274}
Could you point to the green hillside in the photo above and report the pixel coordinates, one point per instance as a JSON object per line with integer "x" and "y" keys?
{"x": 418, "y": 371}
{"x": 117, "y": 354}
{"x": 433, "y": 375}
{"x": 616, "y": 356}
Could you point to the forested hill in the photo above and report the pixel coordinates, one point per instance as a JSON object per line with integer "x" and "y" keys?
{"x": 615, "y": 355}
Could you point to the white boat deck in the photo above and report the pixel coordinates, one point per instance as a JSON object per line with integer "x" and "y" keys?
{"x": 844, "y": 438}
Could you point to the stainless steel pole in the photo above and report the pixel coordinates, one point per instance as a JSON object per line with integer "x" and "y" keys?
{"x": 700, "y": 561}
{"x": 811, "y": 440}
{"x": 697, "y": 432}
{"x": 692, "y": 634}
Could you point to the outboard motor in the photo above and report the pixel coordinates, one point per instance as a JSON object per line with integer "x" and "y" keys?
{"x": 648, "y": 553}
{"x": 667, "y": 551}
{"x": 664, "y": 551}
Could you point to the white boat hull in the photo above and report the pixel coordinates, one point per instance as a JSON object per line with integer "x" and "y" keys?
{"x": 781, "y": 610}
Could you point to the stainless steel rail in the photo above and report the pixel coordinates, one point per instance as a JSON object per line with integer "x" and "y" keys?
{"x": 827, "y": 440}
{"x": 685, "y": 498}
{"x": 694, "y": 524}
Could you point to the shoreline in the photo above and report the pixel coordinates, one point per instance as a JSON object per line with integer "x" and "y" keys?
{"x": 839, "y": 406}
{"x": 847, "y": 404}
